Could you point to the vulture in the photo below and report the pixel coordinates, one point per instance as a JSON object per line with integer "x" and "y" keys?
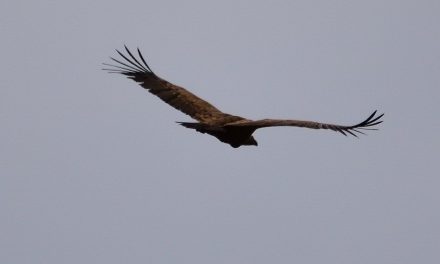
{"x": 231, "y": 129}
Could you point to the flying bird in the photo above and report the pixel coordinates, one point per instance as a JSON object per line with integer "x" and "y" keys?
{"x": 231, "y": 129}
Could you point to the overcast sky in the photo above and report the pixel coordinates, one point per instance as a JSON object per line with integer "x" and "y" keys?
{"x": 95, "y": 170}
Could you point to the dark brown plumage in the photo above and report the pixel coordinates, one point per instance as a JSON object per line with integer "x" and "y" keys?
{"x": 230, "y": 129}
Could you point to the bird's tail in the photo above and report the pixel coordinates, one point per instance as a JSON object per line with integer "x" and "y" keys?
{"x": 202, "y": 128}
{"x": 191, "y": 125}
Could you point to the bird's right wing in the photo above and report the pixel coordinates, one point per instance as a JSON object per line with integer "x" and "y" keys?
{"x": 367, "y": 124}
{"x": 176, "y": 96}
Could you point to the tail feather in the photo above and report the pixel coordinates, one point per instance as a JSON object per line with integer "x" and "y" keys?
{"x": 199, "y": 127}
{"x": 202, "y": 128}
{"x": 191, "y": 125}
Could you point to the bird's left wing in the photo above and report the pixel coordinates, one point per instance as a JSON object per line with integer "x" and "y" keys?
{"x": 367, "y": 124}
{"x": 176, "y": 96}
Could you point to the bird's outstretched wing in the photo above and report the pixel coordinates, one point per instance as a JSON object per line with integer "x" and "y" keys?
{"x": 367, "y": 124}
{"x": 176, "y": 96}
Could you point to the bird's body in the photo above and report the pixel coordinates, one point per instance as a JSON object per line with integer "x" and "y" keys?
{"x": 227, "y": 133}
{"x": 231, "y": 129}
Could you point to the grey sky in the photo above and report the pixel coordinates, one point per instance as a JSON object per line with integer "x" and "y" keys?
{"x": 94, "y": 169}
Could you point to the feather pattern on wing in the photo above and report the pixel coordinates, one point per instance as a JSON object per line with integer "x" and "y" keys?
{"x": 176, "y": 96}
{"x": 372, "y": 120}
